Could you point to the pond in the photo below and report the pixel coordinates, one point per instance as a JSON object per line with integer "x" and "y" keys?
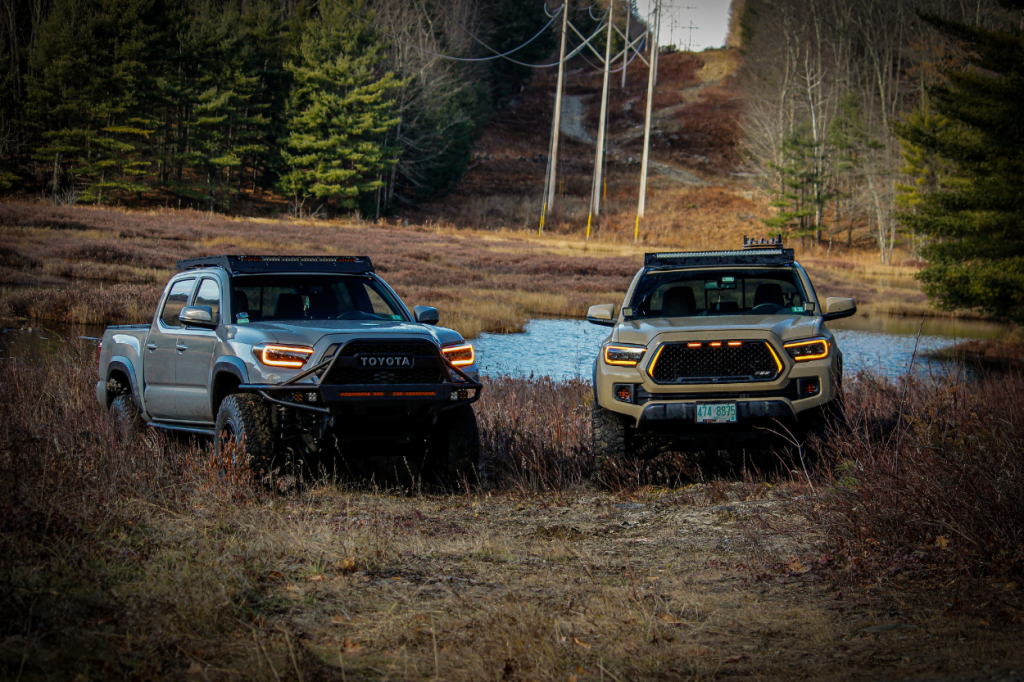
{"x": 565, "y": 349}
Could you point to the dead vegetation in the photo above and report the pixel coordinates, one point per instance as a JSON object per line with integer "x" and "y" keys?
{"x": 140, "y": 556}
{"x": 492, "y": 284}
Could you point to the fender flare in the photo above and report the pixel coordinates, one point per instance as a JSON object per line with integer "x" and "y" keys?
{"x": 594, "y": 384}
{"x": 120, "y": 362}
{"x": 227, "y": 365}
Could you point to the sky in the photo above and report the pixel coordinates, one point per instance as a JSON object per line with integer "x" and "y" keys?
{"x": 709, "y": 17}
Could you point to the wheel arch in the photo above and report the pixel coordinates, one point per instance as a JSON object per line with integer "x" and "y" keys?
{"x": 228, "y": 373}
{"x": 121, "y": 370}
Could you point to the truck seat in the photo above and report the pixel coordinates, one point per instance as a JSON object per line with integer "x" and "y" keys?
{"x": 290, "y": 307}
{"x": 769, "y": 293}
{"x": 678, "y": 302}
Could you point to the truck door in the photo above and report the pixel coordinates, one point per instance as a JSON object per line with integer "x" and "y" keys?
{"x": 158, "y": 366}
{"x": 194, "y": 360}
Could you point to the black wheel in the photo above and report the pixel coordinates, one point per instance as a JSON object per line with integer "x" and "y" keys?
{"x": 453, "y": 452}
{"x": 243, "y": 428}
{"x": 126, "y": 414}
{"x": 610, "y": 443}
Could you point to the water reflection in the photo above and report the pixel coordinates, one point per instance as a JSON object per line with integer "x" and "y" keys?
{"x": 564, "y": 349}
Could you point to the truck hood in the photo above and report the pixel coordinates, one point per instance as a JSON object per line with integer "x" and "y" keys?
{"x": 309, "y": 332}
{"x": 785, "y": 327}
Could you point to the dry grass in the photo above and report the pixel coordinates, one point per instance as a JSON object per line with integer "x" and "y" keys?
{"x": 931, "y": 480}
{"x": 86, "y": 265}
{"x": 140, "y": 557}
{"x": 478, "y": 283}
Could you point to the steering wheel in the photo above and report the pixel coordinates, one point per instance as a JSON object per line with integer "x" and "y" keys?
{"x": 764, "y": 309}
{"x": 356, "y": 315}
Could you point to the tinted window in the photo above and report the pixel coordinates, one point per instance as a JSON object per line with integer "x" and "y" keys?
{"x": 314, "y": 297}
{"x": 692, "y": 293}
{"x": 209, "y": 294}
{"x": 176, "y": 300}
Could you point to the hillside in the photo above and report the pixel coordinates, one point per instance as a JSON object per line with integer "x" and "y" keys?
{"x": 696, "y": 170}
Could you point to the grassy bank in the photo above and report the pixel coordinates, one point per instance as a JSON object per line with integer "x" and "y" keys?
{"x": 139, "y": 556}
{"x": 103, "y": 265}
{"x": 87, "y": 265}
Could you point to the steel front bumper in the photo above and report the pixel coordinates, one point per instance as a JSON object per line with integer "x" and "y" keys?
{"x": 334, "y": 399}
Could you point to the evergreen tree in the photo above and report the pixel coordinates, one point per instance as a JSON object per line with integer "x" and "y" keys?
{"x": 339, "y": 111}
{"x": 974, "y": 214}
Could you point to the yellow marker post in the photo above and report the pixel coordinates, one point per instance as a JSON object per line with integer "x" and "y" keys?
{"x": 589, "y": 216}
{"x": 543, "y": 213}
{"x": 636, "y": 231}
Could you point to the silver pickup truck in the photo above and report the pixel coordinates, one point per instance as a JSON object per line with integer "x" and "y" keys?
{"x": 286, "y": 353}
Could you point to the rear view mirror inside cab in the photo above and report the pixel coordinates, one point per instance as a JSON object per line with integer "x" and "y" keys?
{"x": 721, "y": 283}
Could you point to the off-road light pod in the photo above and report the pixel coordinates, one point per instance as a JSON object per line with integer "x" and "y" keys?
{"x": 623, "y": 356}
{"x": 461, "y": 355}
{"x": 274, "y": 355}
{"x": 812, "y": 349}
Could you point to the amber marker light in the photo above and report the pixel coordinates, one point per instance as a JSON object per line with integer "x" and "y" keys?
{"x": 274, "y": 355}
{"x": 623, "y": 356}
{"x": 734, "y": 344}
{"x": 693, "y": 345}
{"x": 462, "y": 355}
{"x": 715, "y": 344}
{"x": 812, "y": 349}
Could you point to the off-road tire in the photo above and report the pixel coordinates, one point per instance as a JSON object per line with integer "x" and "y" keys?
{"x": 453, "y": 451}
{"x": 610, "y": 443}
{"x": 244, "y": 418}
{"x": 126, "y": 415}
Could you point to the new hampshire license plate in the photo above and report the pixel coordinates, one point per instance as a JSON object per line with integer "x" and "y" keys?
{"x": 716, "y": 413}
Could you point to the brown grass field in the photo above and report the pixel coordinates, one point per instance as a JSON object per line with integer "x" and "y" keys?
{"x": 141, "y": 557}
{"x": 105, "y": 265}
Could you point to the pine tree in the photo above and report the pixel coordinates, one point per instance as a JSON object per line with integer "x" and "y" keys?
{"x": 974, "y": 213}
{"x": 339, "y": 111}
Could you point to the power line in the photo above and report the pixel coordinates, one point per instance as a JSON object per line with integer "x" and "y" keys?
{"x": 497, "y": 55}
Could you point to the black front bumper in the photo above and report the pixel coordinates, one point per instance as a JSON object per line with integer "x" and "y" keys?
{"x": 365, "y": 399}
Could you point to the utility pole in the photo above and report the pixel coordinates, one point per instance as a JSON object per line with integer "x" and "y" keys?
{"x": 625, "y": 52}
{"x": 553, "y": 174}
{"x": 599, "y": 161}
{"x": 651, "y": 76}
{"x": 689, "y": 39}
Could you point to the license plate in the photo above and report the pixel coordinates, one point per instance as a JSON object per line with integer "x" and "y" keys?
{"x": 716, "y": 413}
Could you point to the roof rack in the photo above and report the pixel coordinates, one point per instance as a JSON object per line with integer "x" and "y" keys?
{"x": 356, "y": 265}
{"x": 758, "y": 256}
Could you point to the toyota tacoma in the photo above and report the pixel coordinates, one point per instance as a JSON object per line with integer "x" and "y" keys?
{"x": 280, "y": 354}
{"x": 715, "y": 348}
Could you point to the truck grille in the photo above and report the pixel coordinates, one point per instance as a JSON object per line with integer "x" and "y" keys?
{"x": 676, "y": 363}
{"x": 427, "y": 368}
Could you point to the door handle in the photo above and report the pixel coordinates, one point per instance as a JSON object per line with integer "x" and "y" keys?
{"x": 151, "y": 346}
{"x": 180, "y": 347}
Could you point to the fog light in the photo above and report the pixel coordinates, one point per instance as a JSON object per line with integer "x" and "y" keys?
{"x": 624, "y": 392}
{"x": 461, "y": 394}
{"x": 311, "y": 397}
{"x": 808, "y": 387}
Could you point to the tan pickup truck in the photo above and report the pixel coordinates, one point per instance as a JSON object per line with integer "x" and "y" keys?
{"x": 708, "y": 346}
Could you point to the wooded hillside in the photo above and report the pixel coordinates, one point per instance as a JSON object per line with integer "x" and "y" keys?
{"x": 338, "y": 105}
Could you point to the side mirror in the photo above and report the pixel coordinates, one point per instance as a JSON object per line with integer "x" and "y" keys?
{"x": 426, "y": 314}
{"x": 603, "y": 315}
{"x": 838, "y": 308}
{"x": 197, "y": 316}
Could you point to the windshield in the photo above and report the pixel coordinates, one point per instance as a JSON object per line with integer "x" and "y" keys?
{"x": 693, "y": 293}
{"x": 311, "y": 297}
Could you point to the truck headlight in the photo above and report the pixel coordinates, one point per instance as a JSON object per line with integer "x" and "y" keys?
{"x": 461, "y": 355}
{"x": 812, "y": 349}
{"x": 622, "y": 355}
{"x": 274, "y": 355}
